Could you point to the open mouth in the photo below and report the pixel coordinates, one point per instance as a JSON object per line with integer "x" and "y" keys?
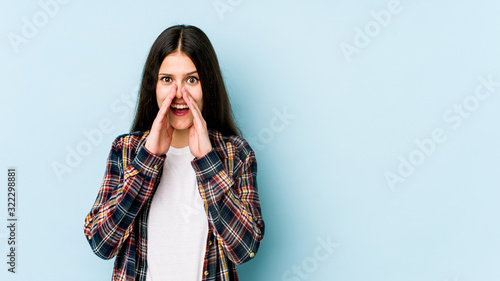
{"x": 179, "y": 109}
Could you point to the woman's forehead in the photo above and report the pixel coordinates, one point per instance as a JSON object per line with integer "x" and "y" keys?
{"x": 177, "y": 63}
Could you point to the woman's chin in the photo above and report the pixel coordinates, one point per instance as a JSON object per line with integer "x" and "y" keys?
{"x": 181, "y": 126}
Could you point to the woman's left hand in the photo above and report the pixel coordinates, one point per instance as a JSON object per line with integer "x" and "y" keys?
{"x": 199, "y": 142}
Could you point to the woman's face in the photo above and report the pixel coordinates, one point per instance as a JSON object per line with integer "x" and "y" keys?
{"x": 178, "y": 69}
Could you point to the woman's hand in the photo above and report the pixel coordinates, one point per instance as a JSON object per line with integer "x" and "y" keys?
{"x": 199, "y": 142}
{"x": 160, "y": 136}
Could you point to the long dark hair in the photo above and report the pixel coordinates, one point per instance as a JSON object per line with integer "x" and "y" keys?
{"x": 193, "y": 42}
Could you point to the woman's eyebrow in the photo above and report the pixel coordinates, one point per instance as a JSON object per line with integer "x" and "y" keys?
{"x": 189, "y": 73}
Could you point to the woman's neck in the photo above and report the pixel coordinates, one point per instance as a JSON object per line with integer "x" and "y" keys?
{"x": 180, "y": 138}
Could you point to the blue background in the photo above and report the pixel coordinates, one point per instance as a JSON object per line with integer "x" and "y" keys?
{"x": 328, "y": 127}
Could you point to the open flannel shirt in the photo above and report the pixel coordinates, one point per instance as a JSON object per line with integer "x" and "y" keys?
{"x": 226, "y": 177}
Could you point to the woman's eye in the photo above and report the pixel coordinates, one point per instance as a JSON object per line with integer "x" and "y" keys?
{"x": 192, "y": 80}
{"x": 166, "y": 79}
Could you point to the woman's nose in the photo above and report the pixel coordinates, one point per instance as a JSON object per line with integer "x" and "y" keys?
{"x": 178, "y": 94}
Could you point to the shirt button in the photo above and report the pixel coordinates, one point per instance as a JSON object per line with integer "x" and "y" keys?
{"x": 155, "y": 167}
{"x": 252, "y": 255}
{"x": 210, "y": 243}
{"x": 206, "y": 272}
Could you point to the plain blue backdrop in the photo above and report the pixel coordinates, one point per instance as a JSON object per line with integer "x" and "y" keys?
{"x": 375, "y": 125}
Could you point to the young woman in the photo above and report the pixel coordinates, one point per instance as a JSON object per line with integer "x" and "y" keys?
{"x": 179, "y": 197}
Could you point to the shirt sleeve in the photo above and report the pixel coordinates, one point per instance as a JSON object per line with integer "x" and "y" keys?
{"x": 128, "y": 183}
{"x": 232, "y": 202}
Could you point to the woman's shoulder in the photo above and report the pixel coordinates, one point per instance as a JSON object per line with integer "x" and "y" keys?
{"x": 234, "y": 143}
{"x": 129, "y": 140}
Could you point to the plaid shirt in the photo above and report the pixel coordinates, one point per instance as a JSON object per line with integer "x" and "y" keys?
{"x": 117, "y": 223}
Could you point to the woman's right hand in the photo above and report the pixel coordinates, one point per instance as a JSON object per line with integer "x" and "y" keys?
{"x": 160, "y": 136}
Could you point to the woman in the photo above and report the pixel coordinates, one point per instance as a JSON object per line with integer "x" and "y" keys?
{"x": 179, "y": 197}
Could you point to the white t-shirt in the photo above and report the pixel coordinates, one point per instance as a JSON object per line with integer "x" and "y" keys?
{"x": 177, "y": 223}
